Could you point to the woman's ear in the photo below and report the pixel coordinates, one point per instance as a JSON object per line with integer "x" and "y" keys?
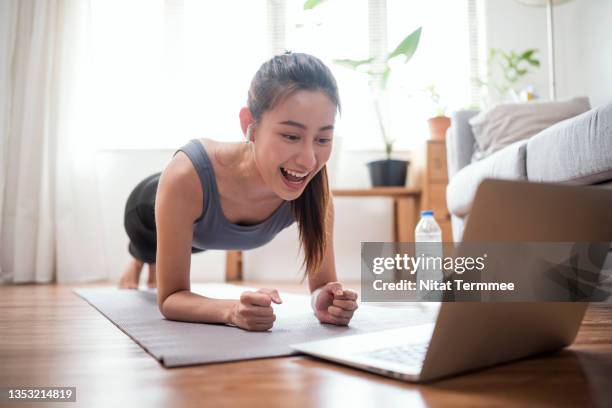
{"x": 246, "y": 119}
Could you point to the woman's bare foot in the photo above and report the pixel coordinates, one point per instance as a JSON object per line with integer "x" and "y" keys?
{"x": 131, "y": 275}
{"x": 152, "y": 281}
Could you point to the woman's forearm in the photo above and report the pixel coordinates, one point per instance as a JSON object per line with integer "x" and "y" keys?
{"x": 187, "y": 306}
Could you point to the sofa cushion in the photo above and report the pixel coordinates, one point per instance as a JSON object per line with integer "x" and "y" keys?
{"x": 508, "y": 123}
{"x": 575, "y": 151}
{"x": 508, "y": 163}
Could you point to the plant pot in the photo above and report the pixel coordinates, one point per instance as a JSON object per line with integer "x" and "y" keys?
{"x": 438, "y": 126}
{"x": 385, "y": 173}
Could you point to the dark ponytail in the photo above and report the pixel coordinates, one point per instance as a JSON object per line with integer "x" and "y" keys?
{"x": 275, "y": 80}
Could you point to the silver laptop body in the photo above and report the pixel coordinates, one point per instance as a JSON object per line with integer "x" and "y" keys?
{"x": 469, "y": 335}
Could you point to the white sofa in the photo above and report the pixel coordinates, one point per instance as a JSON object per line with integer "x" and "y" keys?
{"x": 575, "y": 151}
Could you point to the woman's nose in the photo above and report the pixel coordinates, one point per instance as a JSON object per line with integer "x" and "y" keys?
{"x": 306, "y": 158}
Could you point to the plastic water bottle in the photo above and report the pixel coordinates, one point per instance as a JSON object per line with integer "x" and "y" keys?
{"x": 428, "y": 243}
{"x": 427, "y": 230}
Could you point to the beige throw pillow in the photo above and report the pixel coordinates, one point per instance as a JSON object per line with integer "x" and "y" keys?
{"x": 507, "y": 123}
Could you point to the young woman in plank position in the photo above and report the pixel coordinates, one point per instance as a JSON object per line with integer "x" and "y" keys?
{"x": 215, "y": 195}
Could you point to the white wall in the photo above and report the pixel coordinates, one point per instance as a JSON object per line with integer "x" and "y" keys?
{"x": 584, "y": 31}
{"x": 583, "y": 43}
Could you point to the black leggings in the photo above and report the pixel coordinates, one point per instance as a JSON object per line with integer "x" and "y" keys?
{"x": 139, "y": 220}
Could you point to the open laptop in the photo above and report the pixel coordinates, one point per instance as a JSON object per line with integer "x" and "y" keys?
{"x": 467, "y": 336}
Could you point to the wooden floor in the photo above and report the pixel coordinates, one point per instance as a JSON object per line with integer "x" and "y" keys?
{"x": 51, "y": 337}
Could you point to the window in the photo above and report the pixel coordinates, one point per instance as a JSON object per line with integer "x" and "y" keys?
{"x": 166, "y": 71}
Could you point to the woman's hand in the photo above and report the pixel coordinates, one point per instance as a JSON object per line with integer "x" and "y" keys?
{"x": 253, "y": 311}
{"x": 334, "y": 304}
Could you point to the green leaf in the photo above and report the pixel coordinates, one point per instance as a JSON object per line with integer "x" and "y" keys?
{"x": 527, "y": 54}
{"x": 534, "y": 62}
{"x": 408, "y": 46}
{"x": 353, "y": 64}
{"x": 310, "y": 4}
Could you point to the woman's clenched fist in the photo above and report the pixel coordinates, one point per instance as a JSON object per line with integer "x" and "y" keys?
{"x": 254, "y": 311}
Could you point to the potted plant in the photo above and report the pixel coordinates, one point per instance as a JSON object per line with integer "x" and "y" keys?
{"x": 439, "y": 123}
{"x": 387, "y": 172}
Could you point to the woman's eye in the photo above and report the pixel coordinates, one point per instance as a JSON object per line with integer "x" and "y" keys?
{"x": 324, "y": 140}
{"x": 291, "y": 137}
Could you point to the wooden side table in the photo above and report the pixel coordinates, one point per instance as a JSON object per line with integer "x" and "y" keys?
{"x": 406, "y": 207}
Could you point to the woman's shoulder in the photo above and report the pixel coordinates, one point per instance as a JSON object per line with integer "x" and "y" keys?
{"x": 222, "y": 154}
{"x": 180, "y": 182}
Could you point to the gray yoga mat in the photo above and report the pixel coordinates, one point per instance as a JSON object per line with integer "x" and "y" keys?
{"x": 176, "y": 344}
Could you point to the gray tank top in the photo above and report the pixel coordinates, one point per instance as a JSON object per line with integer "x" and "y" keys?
{"x": 212, "y": 230}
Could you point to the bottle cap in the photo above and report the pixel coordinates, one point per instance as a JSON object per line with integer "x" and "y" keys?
{"x": 427, "y": 213}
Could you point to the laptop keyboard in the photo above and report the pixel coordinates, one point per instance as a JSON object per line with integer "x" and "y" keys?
{"x": 411, "y": 354}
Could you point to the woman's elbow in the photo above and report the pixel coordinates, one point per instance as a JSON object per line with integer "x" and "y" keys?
{"x": 167, "y": 303}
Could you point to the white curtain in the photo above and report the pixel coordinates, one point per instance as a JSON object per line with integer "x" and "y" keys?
{"x": 49, "y": 228}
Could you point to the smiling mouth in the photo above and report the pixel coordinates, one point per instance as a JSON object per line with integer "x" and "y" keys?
{"x": 293, "y": 177}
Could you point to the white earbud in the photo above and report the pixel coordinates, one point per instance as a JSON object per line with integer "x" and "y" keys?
{"x": 248, "y": 134}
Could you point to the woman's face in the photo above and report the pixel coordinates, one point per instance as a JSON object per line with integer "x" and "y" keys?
{"x": 293, "y": 141}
